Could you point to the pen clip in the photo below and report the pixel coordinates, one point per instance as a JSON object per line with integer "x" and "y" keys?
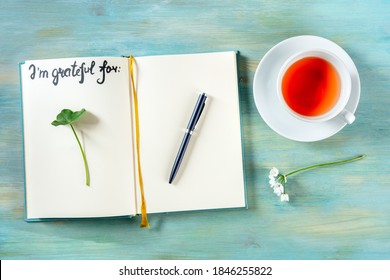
{"x": 200, "y": 113}
{"x": 197, "y": 112}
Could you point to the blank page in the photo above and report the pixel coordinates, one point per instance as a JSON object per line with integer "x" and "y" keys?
{"x": 211, "y": 174}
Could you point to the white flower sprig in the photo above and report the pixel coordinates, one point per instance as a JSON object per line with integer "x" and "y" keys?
{"x": 278, "y": 181}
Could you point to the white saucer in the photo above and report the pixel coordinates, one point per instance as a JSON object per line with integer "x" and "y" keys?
{"x": 268, "y": 105}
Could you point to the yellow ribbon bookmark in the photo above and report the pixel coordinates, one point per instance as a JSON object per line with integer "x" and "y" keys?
{"x": 144, "y": 222}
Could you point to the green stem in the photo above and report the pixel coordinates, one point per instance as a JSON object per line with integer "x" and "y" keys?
{"x": 83, "y": 154}
{"x": 325, "y": 164}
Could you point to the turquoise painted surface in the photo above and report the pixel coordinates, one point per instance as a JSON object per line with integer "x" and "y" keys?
{"x": 335, "y": 213}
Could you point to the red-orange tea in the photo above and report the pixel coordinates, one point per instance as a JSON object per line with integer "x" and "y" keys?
{"x": 311, "y": 86}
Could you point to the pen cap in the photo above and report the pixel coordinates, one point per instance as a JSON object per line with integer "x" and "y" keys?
{"x": 197, "y": 112}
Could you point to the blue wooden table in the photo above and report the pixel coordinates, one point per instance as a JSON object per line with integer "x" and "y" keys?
{"x": 338, "y": 212}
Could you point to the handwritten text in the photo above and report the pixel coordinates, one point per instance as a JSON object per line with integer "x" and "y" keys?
{"x": 75, "y": 70}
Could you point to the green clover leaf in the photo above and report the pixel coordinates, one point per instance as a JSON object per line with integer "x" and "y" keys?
{"x": 68, "y": 117}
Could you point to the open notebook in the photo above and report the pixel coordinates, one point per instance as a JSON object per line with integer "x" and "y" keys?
{"x": 211, "y": 175}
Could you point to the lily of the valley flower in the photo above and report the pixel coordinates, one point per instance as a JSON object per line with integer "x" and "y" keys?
{"x": 278, "y": 181}
{"x": 284, "y": 197}
{"x": 278, "y": 189}
{"x": 273, "y": 173}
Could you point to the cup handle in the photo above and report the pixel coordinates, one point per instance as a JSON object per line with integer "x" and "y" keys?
{"x": 347, "y": 116}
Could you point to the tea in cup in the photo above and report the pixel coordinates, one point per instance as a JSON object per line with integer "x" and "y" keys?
{"x": 315, "y": 86}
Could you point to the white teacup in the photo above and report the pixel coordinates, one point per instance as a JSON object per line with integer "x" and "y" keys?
{"x": 337, "y": 109}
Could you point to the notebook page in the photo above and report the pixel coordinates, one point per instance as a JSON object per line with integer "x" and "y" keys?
{"x": 211, "y": 174}
{"x": 54, "y": 169}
